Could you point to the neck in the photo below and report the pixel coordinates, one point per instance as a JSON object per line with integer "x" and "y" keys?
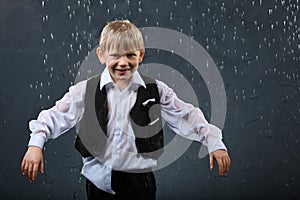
{"x": 122, "y": 84}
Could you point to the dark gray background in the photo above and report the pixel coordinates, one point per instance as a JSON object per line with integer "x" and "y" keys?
{"x": 255, "y": 45}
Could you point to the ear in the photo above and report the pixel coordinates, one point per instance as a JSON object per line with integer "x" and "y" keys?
{"x": 100, "y": 55}
{"x": 142, "y": 53}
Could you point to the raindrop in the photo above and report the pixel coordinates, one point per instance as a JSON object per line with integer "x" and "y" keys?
{"x": 90, "y": 19}
{"x": 270, "y": 11}
{"x": 235, "y": 70}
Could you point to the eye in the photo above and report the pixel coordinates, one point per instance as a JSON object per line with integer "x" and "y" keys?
{"x": 131, "y": 55}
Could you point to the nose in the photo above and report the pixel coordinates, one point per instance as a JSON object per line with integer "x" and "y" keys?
{"x": 123, "y": 61}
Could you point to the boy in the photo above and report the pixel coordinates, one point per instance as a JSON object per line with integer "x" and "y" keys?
{"x": 120, "y": 136}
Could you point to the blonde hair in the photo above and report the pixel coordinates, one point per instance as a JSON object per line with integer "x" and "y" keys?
{"x": 121, "y": 35}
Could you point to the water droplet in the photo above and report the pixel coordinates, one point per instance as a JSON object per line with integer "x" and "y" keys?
{"x": 270, "y": 11}
{"x": 90, "y": 19}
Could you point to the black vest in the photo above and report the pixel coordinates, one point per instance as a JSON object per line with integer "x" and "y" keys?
{"x": 145, "y": 116}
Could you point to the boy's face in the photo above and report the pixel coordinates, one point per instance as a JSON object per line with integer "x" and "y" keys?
{"x": 121, "y": 64}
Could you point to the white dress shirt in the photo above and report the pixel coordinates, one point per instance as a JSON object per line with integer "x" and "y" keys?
{"x": 183, "y": 118}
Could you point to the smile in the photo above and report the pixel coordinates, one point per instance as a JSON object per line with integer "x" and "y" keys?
{"x": 122, "y": 70}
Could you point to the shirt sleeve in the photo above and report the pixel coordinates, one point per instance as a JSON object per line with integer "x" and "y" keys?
{"x": 188, "y": 121}
{"x": 60, "y": 118}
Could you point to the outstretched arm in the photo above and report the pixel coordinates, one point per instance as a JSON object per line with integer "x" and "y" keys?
{"x": 50, "y": 124}
{"x": 223, "y": 160}
{"x": 189, "y": 121}
{"x": 32, "y": 162}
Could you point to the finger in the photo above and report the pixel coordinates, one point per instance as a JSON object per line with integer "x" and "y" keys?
{"x": 23, "y": 167}
{"x": 211, "y": 161}
{"x": 29, "y": 171}
{"x": 227, "y": 162}
{"x": 34, "y": 171}
{"x": 221, "y": 167}
{"x": 42, "y": 166}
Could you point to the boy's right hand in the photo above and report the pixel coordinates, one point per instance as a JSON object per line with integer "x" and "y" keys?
{"x": 32, "y": 162}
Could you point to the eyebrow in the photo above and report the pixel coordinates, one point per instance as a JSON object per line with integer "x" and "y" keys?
{"x": 118, "y": 54}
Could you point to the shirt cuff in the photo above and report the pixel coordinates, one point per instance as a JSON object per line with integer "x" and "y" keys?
{"x": 217, "y": 146}
{"x": 37, "y": 139}
{"x": 214, "y": 139}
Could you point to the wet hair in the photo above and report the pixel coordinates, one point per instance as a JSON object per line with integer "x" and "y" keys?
{"x": 121, "y": 35}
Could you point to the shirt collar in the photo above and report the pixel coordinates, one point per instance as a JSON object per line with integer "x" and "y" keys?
{"x": 136, "y": 79}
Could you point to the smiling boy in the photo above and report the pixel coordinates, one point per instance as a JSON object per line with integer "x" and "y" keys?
{"x": 122, "y": 100}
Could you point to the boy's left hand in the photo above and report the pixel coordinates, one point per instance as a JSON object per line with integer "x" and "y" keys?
{"x": 223, "y": 160}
